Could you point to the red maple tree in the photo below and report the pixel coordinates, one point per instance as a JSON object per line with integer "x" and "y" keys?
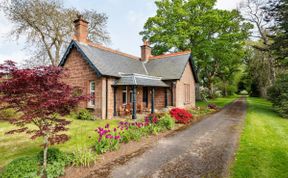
{"x": 39, "y": 97}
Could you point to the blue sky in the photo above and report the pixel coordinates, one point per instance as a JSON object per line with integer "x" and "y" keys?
{"x": 126, "y": 20}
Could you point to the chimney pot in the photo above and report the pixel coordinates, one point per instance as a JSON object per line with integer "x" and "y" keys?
{"x": 81, "y": 29}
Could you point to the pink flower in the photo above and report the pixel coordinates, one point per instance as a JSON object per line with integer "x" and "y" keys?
{"x": 117, "y": 137}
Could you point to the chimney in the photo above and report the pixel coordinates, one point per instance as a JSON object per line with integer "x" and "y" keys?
{"x": 81, "y": 29}
{"x": 145, "y": 51}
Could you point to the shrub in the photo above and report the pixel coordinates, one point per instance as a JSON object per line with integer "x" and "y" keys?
{"x": 56, "y": 162}
{"x": 166, "y": 122}
{"x": 181, "y": 115}
{"x": 55, "y": 169}
{"x": 83, "y": 156}
{"x": 84, "y": 114}
{"x": 278, "y": 95}
{"x": 21, "y": 167}
{"x": 244, "y": 92}
{"x": 55, "y": 155}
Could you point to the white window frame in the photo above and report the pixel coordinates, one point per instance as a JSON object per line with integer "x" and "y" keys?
{"x": 92, "y": 102}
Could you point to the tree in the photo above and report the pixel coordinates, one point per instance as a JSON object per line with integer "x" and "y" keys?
{"x": 39, "y": 98}
{"x": 277, "y": 11}
{"x": 254, "y": 12}
{"x": 211, "y": 34}
{"x": 278, "y": 95}
{"x": 47, "y": 27}
{"x": 257, "y": 70}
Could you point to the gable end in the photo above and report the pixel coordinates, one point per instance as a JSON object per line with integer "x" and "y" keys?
{"x": 74, "y": 45}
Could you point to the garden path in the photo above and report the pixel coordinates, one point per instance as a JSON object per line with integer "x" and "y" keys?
{"x": 205, "y": 149}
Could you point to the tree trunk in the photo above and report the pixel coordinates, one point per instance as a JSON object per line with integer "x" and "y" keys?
{"x": 45, "y": 144}
{"x": 210, "y": 88}
{"x": 263, "y": 92}
{"x": 225, "y": 89}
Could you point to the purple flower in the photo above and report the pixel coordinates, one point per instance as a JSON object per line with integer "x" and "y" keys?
{"x": 107, "y": 126}
{"x": 109, "y": 136}
{"x": 115, "y": 129}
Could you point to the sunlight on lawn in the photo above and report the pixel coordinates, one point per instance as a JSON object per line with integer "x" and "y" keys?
{"x": 220, "y": 102}
{"x": 82, "y": 134}
{"x": 264, "y": 143}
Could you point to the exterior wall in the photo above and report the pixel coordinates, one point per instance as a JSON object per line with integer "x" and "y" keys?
{"x": 80, "y": 73}
{"x": 187, "y": 78}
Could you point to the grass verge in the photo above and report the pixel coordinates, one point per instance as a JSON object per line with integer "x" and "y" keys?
{"x": 263, "y": 149}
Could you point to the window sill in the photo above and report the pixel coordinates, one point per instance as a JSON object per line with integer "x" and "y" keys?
{"x": 90, "y": 106}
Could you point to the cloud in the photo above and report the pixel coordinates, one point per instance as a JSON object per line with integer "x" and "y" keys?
{"x": 227, "y": 4}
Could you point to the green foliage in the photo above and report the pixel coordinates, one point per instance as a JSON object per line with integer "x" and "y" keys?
{"x": 200, "y": 111}
{"x": 83, "y": 156}
{"x": 166, "y": 122}
{"x": 106, "y": 145}
{"x": 278, "y": 95}
{"x": 278, "y": 12}
{"x": 24, "y": 167}
{"x": 55, "y": 155}
{"x": 215, "y": 37}
{"x": 243, "y": 92}
{"x": 55, "y": 169}
{"x": 132, "y": 134}
{"x": 56, "y": 162}
{"x": 84, "y": 114}
{"x": 7, "y": 114}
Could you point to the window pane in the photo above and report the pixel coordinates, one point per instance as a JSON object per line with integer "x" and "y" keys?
{"x": 92, "y": 86}
{"x": 92, "y": 93}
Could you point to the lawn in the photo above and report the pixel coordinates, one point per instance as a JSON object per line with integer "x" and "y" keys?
{"x": 17, "y": 145}
{"x": 263, "y": 149}
{"x": 220, "y": 102}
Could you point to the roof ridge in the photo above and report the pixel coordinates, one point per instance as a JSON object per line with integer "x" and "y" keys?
{"x": 112, "y": 50}
{"x": 170, "y": 55}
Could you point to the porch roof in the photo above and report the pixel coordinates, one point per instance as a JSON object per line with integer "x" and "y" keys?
{"x": 140, "y": 80}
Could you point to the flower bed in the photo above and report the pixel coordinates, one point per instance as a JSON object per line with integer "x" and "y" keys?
{"x": 110, "y": 138}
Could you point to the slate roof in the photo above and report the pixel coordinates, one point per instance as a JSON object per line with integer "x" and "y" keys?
{"x": 108, "y": 62}
{"x": 169, "y": 68}
{"x": 140, "y": 80}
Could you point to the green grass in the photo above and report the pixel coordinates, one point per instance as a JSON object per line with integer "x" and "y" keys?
{"x": 82, "y": 134}
{"x": 263, "y": 149}
{"x": 220, "y": 102}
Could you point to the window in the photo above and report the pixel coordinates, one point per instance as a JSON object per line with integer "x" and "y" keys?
{"x": 92, "y": 93}
{"x": 187, "y": 93}
{"x": 131, "y": 95}
{"x": 124, "y": 95}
